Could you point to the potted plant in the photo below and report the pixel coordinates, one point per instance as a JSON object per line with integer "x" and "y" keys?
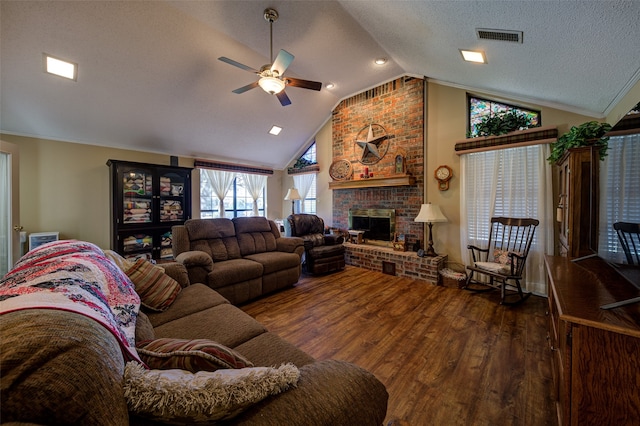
{"x": 501, "y": 124}
{"x": 589, "y": 133}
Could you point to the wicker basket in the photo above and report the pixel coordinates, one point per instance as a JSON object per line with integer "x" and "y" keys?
{"x": 453, "y": 279}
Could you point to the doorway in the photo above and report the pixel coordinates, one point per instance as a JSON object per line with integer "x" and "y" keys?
{"x": 10, "y": 248}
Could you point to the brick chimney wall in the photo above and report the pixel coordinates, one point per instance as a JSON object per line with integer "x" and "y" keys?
{"x": 397, "y": 106}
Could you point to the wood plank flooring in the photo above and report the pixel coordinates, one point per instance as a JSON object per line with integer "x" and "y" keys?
{"x": 446, "y": 356}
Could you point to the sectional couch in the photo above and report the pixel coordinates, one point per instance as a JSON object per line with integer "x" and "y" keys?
{"x": 65, "y": 367}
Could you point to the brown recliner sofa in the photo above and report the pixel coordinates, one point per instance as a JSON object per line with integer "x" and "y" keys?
{"x": 322, "y": 252}
{"x": 241, "y": 258}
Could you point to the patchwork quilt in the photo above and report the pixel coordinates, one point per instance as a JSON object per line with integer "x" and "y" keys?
{"x": 74, "y": 276}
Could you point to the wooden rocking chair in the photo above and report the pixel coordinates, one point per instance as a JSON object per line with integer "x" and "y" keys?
{"x": 504, "y": 258}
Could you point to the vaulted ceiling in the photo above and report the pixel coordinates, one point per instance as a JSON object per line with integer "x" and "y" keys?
{"x": 149, "y": 77}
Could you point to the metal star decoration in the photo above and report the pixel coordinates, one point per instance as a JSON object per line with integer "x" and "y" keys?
{"x": 370, "y": 145}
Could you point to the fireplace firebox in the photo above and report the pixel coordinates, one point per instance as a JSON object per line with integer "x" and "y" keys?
{"x": 377, "y": 224}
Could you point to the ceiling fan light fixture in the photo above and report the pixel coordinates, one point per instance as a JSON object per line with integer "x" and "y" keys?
{"x": 271, "y": 85}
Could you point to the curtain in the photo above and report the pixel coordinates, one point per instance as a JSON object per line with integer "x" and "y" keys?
{"x": 303, "y": 183}
{"x": 220, "y": 183}
{"x": 619, "y": 193}
{"x": 254, "y": 184}
{"x": 514, "y": 182}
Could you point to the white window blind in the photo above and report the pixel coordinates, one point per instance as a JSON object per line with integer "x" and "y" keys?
{"x": 512, "y": 182}
{"x": 619, "y": 192}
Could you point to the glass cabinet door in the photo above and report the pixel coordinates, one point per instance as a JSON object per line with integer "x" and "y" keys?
{"x": 172, "y": 196}
{"x": 137, "y": 196}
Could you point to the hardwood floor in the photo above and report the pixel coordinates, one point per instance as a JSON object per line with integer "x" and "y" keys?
{"x": 446, "y": 356}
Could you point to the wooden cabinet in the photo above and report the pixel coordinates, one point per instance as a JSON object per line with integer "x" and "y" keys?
{"x": 146, "y": 201}
{"x": 578, "y": 177}
{"x": 595, "y": 352}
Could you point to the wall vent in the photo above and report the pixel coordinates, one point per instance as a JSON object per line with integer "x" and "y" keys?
{"x": 499, "y": 35}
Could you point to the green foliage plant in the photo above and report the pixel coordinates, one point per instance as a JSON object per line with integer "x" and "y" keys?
{"x": 589, "y": 133}
{"x": 501, "y": 124}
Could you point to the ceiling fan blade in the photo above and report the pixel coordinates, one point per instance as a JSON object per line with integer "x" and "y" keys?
{"x": 305, "y": 84}
{"x": 245, "y": 88}
{"x": 283, "y": 98}
{"x": 238, "y": 64}
{"x": 282, "y": 62}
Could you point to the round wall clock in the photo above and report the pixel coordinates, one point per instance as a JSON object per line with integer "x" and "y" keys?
{"x": 443, "y": 174}
{"x": 340, "y": 170}
{"x": 373, "y": 143}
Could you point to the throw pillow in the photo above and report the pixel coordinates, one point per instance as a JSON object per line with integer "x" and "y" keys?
{"x": 156, "y": 289}
{"x": 502, "y": 256}
{"x": 182, "y": 397}
{"x": 123, "y": 263}
{"x": 191, "y": 355}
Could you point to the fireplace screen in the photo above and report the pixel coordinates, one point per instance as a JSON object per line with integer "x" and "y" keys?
{"x": 377, "y": 224}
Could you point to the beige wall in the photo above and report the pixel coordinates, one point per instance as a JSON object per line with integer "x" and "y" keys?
{"x": 446, "y": 125}
{"x": 65, "y": 187}
{"x": 324, "y": 200}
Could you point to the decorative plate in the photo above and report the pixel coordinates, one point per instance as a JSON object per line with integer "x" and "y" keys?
{"x": 340, "y": 170}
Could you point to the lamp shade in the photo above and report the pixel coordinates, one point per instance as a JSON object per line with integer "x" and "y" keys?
{"x": 293, "y": 194}
{"x": 271, "y": 85}
{"x": 430, "y": 213}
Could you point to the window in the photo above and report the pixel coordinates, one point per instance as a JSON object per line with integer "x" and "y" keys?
{"x": 480, "y": 108}
{"x": 237, "y": 203}
{"x": 509, "y": 182}
{"x": 619, "y": 192}
{"x": 306, "y": 183}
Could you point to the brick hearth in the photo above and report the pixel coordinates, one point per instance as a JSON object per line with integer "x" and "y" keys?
{"x": 406, "y": 264}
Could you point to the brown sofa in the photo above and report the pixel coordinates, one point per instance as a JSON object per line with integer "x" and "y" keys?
{"x": 241, "y": 258}
{"x": 61, "y": 367}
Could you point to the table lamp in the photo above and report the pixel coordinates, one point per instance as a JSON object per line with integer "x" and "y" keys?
{"x": 293, "y": 195}
{"x": 430, "y": 213}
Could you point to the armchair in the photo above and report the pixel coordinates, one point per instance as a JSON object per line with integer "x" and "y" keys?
{"x": 322, "y": 252}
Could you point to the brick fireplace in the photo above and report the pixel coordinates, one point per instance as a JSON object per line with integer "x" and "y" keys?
{"x": 398, "y": 106}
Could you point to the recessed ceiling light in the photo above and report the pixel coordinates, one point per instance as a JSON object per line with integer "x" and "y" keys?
{"x": 381, "y": 61}
{"x": 60, "y": 67}
{"x": 275, "y": 130}
{"x": 476, "y": 56}
{"x": 330, "y": 86}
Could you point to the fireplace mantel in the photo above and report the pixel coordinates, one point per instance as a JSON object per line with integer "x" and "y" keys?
{"x": 395, "y": 180}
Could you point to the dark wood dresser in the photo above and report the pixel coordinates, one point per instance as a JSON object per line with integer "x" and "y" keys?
{"x": 595, "y": 352}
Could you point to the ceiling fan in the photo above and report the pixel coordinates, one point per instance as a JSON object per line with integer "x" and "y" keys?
{"x": 271, "y": 76}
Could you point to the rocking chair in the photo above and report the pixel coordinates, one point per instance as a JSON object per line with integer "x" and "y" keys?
{"x": 503, "y": 261}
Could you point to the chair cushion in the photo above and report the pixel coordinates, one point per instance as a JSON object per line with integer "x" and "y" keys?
{"x": 216, "y": 237}
{"x": 275, "y": 261}
{"x": 233, "y": 271}
{"x": 195, "y": 298}
{"x": 494, "y": 267}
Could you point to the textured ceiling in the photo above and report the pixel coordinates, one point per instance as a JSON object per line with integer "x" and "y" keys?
{"x": 149, "y": 78}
